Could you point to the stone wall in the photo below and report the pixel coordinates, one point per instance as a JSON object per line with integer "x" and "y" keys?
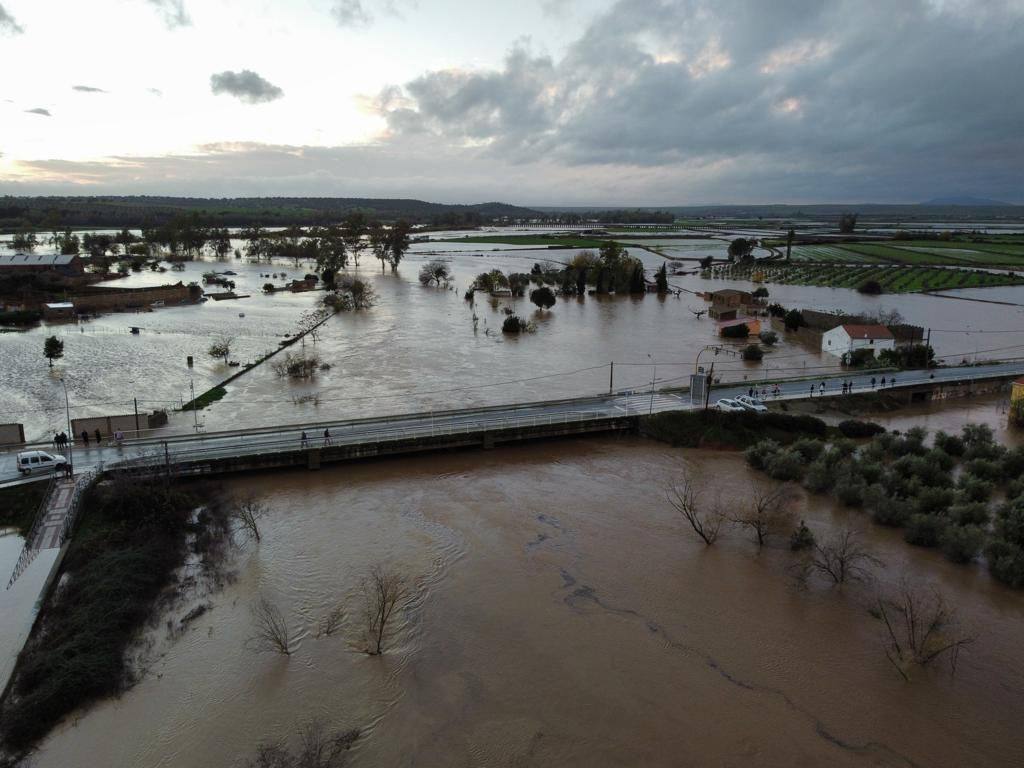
{"x": 12, "y": 434}
{"x": 108, "y": 299}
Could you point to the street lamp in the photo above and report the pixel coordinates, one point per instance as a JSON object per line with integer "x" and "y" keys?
{"x": 654, "y": 375}
{"x": 71, "y": 436}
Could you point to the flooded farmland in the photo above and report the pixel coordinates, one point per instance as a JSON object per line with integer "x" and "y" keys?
{"x": 379, "y": 357}
{"x": 537, "y": 636}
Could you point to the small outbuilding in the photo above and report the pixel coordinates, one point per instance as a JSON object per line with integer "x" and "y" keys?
{"x": 59, "y": 310}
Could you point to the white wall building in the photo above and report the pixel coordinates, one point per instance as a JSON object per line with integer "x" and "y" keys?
{"x": 844, "y": 339}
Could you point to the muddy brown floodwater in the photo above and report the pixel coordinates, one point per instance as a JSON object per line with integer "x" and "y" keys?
{"x": 562, "y": 616}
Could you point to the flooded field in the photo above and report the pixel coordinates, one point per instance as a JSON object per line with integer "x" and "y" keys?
{"x": 538, "y": 635}
{"x": 419, "y": 348}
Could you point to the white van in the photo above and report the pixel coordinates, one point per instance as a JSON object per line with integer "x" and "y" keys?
{"x": 39, "y": 461}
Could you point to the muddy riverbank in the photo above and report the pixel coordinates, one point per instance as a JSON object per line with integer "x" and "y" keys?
{"x": 562, "y": 615}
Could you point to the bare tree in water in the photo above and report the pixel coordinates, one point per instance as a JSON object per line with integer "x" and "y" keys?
{"x": 247, "y": 515}
{"x": 316, "y": 749}
{"x": 272, "y": 631}
{"x": 685, "y": 498}
{"x": 919, "y": 629}
{"x": 840, "y": 559}
{"x": 384, "y": 592}
{"x": 769, "y": 513}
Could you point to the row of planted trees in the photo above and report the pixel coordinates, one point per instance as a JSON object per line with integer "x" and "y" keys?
{"x": 942, "y": 495}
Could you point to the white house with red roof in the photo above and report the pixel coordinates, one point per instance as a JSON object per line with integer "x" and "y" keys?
{"x": 844, "y": 339}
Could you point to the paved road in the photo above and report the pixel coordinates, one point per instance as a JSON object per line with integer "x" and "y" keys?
{"x": 288, "y": 437}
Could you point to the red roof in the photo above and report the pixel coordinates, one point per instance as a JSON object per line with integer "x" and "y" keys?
{"x": 868, "y": 332}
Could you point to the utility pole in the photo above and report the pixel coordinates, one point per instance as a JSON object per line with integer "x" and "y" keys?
{"x": 71, "y": 436}
{"x": 195, "y": 410}
{"x": 611, "y": 376}
{"x": 707, "y": 387}
{"x": 136, "y": 415}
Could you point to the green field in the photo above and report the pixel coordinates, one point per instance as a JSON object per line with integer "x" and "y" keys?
{"x": 893, "y": 278}
{"x": 915, "y": 252}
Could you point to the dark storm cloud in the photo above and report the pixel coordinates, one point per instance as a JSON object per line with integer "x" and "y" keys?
{"x": 39, "y": 111}
{"x": 245, "y": 85}
{"x": 87, "y": 89}
{"x": 172, "y": 12}
{"x": 876, "y": 96}
{"x": 8, "y": 23}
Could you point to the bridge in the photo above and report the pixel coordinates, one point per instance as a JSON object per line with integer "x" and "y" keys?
{"x": 326, "y": 442}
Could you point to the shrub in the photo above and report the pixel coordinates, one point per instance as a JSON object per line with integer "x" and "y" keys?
{"x": 820, "y": 476}
{"x": 776, "y": 310}
{"x": 961, "y": 544}
{"x": 1015, "y": 488}
{"x": 802, "y": 538}
{"x": 924, "y": 530}
{"x": 975, "y": 435}
{"x": 885, "y": 509}
{"x": 268, "y": 287}
{"x": 753, "y": 353}
{"x": 870, "y": 287}
{"x": 974, "y": 488}
{"x": 513, "y": 324}
{"x": 986, "y": 469}
{"x": 934, "y": 501}
{"x": 785, "y": 465}
{"x": 808, "y": 448}
{"x": 1013, "y": 462}
{"x": 768, "y": 338}
{"x": 870, "y": 471}
{"x": 850, "y": 490}
{"x": 858, "y": 358}
{"x": 937, "y": 457}
{"x": 760, "y": 292}
{"x": 738, "y": 331}
{"x": 969, "y": 513}
{"x": 951, "y": 444}
{"x": 794, "y": 319}
{"x": 855, "y": 428}
{"x": 757, "y": 455}
{"x": 1006, "y": 562}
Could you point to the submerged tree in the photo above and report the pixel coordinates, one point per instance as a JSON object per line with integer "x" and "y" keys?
{"x": 435, "y": 272}
{"x": 919, "y": 629}
{"x": 272, "y": 631}
{"x": 384, "y": 592}
{"x": 769, "y": 513}
{"x": 543, "y": 297}
{"x": 221, "y": 347}
{"x": 53, "y": 349}
{"x": 685, "y": 498}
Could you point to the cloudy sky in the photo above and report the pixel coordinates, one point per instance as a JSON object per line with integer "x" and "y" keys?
{"x": 637, "y": 102}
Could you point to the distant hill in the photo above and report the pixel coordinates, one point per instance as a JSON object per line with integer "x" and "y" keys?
{"x": 964, "y": 200}
{"x": 137, "y": 211}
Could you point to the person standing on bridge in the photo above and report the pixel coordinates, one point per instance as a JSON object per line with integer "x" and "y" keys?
{"x": 880, "y": 386}
{"x": 872, "y": 382}
{"x": 304, "y": 441}
{"x": 85, "y": 438}
{"x": 99, "y": 436}
{"x": 327, "y": 436}
{"x": 812, "y": 390}
{"x": 892, "y": 381}
{"x": 823, "y": 387}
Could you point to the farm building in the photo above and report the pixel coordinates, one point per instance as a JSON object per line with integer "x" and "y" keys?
{"x": 59, "y": 310}
{"x": 70, "y": 264}
{"x": 847, "y": 338}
